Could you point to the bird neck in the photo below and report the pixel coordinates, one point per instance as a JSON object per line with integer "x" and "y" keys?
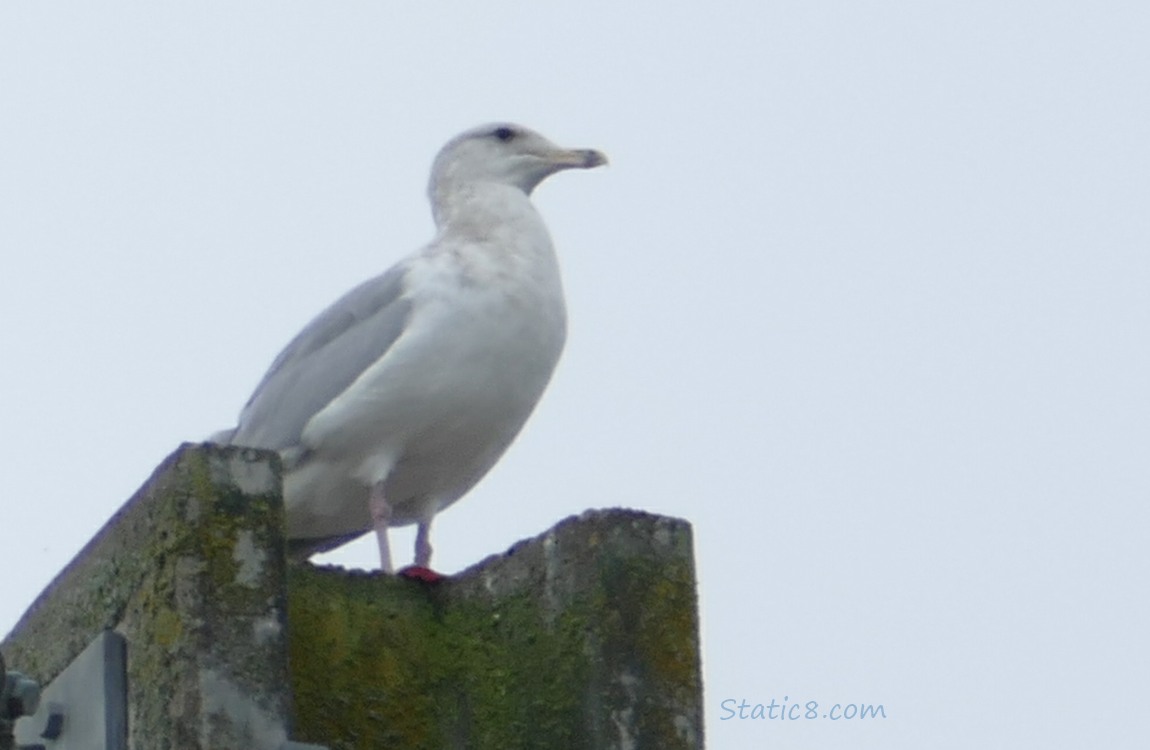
{"x": 468, "y": 208}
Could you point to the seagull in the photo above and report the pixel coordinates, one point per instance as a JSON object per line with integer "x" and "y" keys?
{"x": 399, "y": 397}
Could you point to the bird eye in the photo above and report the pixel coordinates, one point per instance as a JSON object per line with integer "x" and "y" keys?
{"x": 504, "y": 134}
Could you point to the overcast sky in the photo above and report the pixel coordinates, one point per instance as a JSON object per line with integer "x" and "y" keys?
{"x": 863, "y": 296}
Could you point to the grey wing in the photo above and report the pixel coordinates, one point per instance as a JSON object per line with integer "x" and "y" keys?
{"x": 323, "y": 360}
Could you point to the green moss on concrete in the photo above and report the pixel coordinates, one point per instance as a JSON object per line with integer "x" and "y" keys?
{"x": 514, "y": 678}
{"x": 577, "y": 634}
{"x": 357, "y": 644}
{"x": 177, "y": 570}
{"x": 581, "y": 638}
{"x": 379, "y": 661}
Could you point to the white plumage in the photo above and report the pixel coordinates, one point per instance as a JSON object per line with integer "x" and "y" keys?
{"x": 398, "y": 398}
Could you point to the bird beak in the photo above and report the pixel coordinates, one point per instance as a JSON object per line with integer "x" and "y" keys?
{"x": 577, "y": 158}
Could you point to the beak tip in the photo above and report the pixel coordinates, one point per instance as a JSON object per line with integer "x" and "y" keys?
{"x": 593, "y": 158}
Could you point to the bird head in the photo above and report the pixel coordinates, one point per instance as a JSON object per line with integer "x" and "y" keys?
{"x": 506, "y": 154}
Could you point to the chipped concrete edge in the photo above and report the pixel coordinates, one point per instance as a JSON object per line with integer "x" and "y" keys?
{"x": 191, "y": 571}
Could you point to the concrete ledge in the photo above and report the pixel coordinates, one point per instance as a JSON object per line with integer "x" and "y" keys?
{"x": 584, "y": 637}
{"x": 191, "y": 572}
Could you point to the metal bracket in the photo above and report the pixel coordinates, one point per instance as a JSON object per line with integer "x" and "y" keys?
{"x": 19, "y": 696}
{"x": 86, "y": 706}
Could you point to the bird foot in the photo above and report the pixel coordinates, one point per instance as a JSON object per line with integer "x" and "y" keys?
{"x": 420, "y": 573}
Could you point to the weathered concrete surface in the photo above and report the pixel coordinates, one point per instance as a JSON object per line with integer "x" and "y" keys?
{"x": 191, "y": 572}
{"x": 584, "y": 637}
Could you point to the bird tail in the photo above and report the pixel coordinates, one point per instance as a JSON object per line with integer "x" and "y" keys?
{"x": 223, "y": 437}
{"x": 302, "y": 549}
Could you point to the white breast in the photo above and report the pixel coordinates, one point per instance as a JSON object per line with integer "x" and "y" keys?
{"x": 435, "y": 413}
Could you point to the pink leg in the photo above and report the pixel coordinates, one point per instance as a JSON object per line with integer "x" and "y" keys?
{"x": 423, "y": 545}
{"x": 381, "y": 516}
{"x": 420, "y": 571}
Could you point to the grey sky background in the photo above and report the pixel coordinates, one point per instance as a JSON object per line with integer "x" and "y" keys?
{"x": 863, "y": 296}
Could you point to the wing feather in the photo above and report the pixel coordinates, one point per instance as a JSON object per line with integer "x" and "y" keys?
{"x": 323, "y": 360}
